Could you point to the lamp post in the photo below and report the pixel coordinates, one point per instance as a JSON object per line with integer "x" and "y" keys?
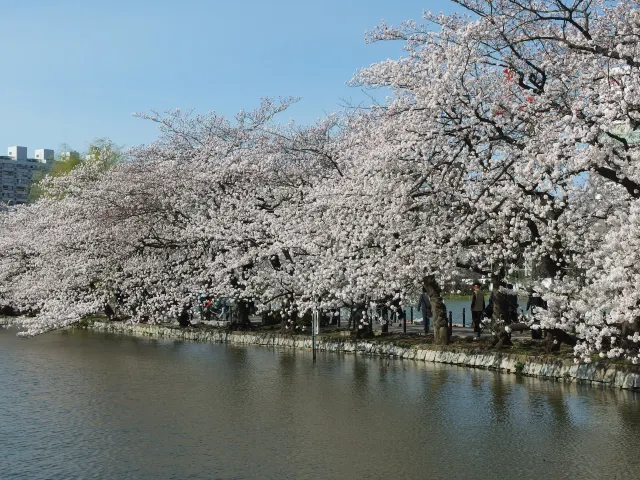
{"x": 315, "y": 327}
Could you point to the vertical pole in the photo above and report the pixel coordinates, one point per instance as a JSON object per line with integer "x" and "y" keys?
{"x": 450, "y": 323}
{"x": 411, "y": 314}
{"x": 463, "y": 317}
{"x": 314, "y": 323}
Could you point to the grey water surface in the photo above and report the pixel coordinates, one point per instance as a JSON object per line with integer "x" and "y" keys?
{"x": 81, "y": 404}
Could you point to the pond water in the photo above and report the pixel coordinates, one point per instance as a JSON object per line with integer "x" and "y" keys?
{"x": 89, "y": 405}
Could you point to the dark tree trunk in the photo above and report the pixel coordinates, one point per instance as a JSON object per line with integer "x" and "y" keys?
{"x": 306, "y": 320}
{"x": 500, "y": 300}
{"x": 439, "y": 311}
{"x": 270, "y": 318}
{"x": 108, "y": 311}
{"x": 183, "y": 317}
{"x": 241, "y": 321}
{"x": 628, "y": 329}
{"x": 500, "y": 315}
{"x": 242, "y": 313}
{"x": 555, "y": 337}
{"x": 553, "y": 266}
{"x": 8, "y": 311}
{"x": 358, "y": 318}
{"x": 243, "y": 306}
{"x": 335, "y": 317}
{"x": 294, "y": 320}
{"x": 289, "y": 319}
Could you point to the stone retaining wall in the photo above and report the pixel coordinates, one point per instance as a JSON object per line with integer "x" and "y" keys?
{"x": 620, "y": 376}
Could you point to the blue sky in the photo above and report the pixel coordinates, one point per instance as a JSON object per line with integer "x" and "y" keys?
{"x": 75, "y": 70}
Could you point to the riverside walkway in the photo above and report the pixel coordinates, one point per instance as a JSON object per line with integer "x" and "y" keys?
{"x": 415, "y": 328}
{"x": 458, "y": 330}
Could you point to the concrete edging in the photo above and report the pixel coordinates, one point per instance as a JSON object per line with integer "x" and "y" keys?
{"x": 618, "y": 376}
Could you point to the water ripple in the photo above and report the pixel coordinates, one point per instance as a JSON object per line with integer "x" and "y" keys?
{"x": 87, "y": 405}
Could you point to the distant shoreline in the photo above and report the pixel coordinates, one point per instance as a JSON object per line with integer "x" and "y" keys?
{"x": 468, "y": 297}
{"x": 554, "y": 367}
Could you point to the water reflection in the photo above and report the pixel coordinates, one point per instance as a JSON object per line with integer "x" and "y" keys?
{"x": 87, "y": 405}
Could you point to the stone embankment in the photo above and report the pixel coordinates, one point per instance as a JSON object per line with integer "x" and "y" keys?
{"x": 619, "y": 376}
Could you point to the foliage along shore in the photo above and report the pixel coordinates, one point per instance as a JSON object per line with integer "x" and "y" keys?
{"x": 509, "y": 143}
{"x": 526, "y": 357}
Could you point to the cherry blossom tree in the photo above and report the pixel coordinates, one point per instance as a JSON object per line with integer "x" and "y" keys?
{"x": 510, "y": 138}
{"x": 530, "y": 100}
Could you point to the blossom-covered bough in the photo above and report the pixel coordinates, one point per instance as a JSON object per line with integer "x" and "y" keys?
{"x": 511, "y": 139}
{"x": 538, "y": 104}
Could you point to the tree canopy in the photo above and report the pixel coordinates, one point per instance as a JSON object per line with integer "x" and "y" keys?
{"x": 509, "y": 139}
{"x": 101, "y": 150}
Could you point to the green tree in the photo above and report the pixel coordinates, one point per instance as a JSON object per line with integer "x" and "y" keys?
{"x": 106, "y": 153}
{"x": 65, "y": 161}
{"x": 102, "y": 151}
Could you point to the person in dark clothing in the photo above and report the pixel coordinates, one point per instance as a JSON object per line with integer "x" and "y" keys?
{"x": 512, "y": 300}
{"x": 401, "y": 315}
{"x": 108, "y": 311}
{"x": 424, "y": 306}
{"x": 184, "y": 317}
{"x": 488, "y": 311}
{"x": 477, "y": 308}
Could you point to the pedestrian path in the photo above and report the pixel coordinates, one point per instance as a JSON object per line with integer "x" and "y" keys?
{"x": 458, "y": 330}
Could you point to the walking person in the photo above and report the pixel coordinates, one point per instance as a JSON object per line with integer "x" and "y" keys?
{"x": 512, "y": 299}
{"x": 424, "y": 306}
{"x": 488, "y": 312}
{"x": 401, "y": 316}
{"x": 477, "y": 308}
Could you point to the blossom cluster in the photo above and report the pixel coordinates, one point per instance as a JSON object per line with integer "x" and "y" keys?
{"x": 510, "y": 139}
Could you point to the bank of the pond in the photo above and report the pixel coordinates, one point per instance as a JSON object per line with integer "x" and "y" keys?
{"x": 607, "y": 374}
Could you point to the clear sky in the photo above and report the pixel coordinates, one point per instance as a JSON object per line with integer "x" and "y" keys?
{"x": 75, "y": 70}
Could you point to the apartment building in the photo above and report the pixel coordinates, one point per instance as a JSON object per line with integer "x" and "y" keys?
{"x": 17, "y": 171}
